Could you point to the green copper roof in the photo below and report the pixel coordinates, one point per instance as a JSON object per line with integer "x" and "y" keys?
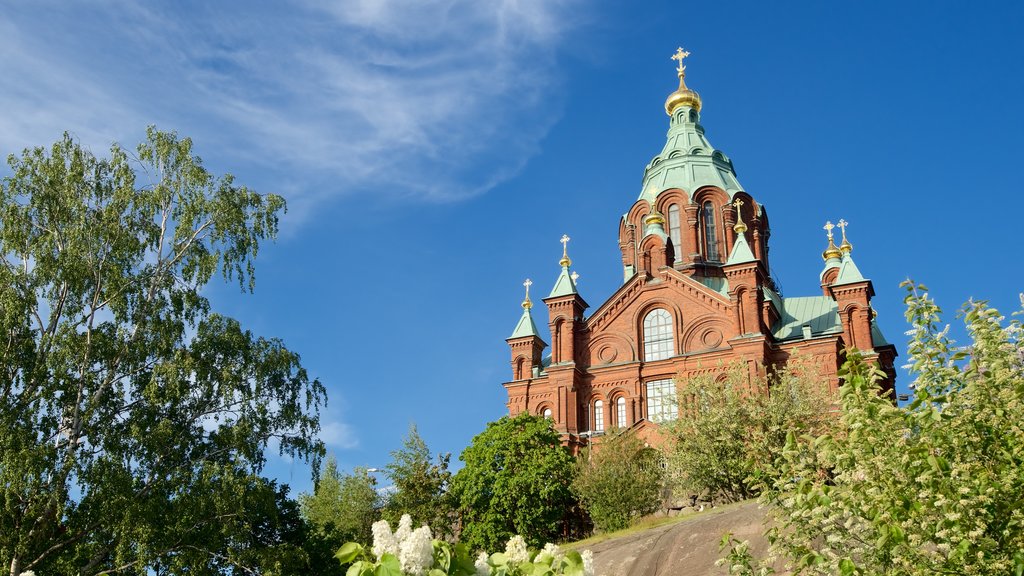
{"x": 829, "y": 264}
{"x": 688, "y": 161}
{"x": 741, "y": 253}
{"x": 876, "y": 335}
{"x": 820, "y": 313}
{"x": 720, "y": 285}
{"x": 526, "y": 327}
{"x": 564, "y": 286}
{"x": 657, "y": 229}
{"x": 848, "y": 272}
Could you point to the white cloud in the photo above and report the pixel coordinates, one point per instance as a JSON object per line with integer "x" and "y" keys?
{"x": 338, "y": 435}
{"x": 427, "y": 100}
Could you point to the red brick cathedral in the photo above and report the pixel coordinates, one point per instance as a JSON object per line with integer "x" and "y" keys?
{"x": 697, "y": 296}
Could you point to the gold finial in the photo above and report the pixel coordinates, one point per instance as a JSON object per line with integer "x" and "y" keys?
{"x": 740, "y": 227}
{"x": 654, "y": 217}
{"x": 831, "y": 251}
{"x": 679, "y": 56}
{"x": 527, "y": 304}
{"x": 565, "y": 261}
{"x": 846, "y": 247}
{"x": 683, "y": 96}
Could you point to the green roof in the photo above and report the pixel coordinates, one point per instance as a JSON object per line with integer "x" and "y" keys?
{"x": 741, "y": 253}
{"x": 688, "y": 161}
{"x": 718, "y": 284}
{"x": 525, "y": 327}
{"x": 564, "y": 286}
{"x": 820, "y": 313}
{"x": 848, "y": 272}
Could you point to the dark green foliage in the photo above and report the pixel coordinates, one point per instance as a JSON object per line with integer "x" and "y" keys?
{"x": 133, "y": 420}
{"x": 516, "y": 480}
{"x": 619, "y": 481}
{"x": 420, "y": 486}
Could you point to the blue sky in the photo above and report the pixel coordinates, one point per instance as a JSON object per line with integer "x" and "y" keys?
{"x": 433, "y": 153}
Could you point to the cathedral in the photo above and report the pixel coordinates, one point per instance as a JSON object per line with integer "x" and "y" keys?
{"x": 697, "y": 296}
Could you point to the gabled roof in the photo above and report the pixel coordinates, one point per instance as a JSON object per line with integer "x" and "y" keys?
{"x": 848, "y": 272}
{"x": 741, "y": 253}
{"x": 820, "y": 313}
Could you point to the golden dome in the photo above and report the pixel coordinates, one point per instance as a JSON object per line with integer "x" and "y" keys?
{"x": 654, "y": 217}
{"x": 831, "y": 252}
{"x": 683, "y": 96}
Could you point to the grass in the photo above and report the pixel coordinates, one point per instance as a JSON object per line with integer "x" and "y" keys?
{"x": 646, "y": 523}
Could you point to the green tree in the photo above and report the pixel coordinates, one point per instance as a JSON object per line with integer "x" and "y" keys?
{"x": 516, "y": 480}
{"x": 421, "y": 486}
{"x": 342, "y": 507}
{"x": 133, "y": 420}
{"x": 619, "y": 481}
{"x": 732, "y": 428}
{"x": 931, "y": 488}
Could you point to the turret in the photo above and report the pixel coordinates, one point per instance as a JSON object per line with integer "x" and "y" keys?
{"x": 565, "y": 311}
{"x": 852, "y": 293}
{"x": 525, "y": 343}
{"x": 746, "y": 275}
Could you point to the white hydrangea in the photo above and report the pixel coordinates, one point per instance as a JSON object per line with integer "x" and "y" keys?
{"x": 516, "y": 550}
{"x": 384, "y": 541}
{"x": 416, "y": 551}
{"x": 404, "y": 528}
{"x": 482, "y": 567}
{"x": 28, "y": 573}
{"x": 588, "y": 562}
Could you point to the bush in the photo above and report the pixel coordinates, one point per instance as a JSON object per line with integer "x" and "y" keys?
{"x": 731, "y": 430}
{"x": 618, "y": 481}
{"x": 933, "y": 488}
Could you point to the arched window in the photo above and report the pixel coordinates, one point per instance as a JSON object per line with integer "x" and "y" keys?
{"x": 547, "y": 413}
{"x": 598, "y": 416}
{"x": 674, "y": 231}
{"x": 661, "y": 401}
{"x": 620, "y": 412}
{"x": 709, "y": 232}
{"x": 658, "y": 335}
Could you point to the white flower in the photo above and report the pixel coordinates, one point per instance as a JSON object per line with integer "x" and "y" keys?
{"x": 416, "y": 552}
{"x": 482, "y": 567}
{"x": 28, "y": 573}
{"x": 588, "y": 562}
{"x": 516, "y": 550}
{"x": 404, "y": 528}
{"x": 384, "y": 541}
{"x": 554, "y": 552}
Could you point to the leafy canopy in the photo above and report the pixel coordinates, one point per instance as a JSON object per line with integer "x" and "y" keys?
{"x": 134, "y": 420}
{"x": 515, "y": 480}
{"x": 619, "y": 481}
{"x": 931, "y": 488}
{"x": 342, "y": 507}
{"x": 420, "y": 486}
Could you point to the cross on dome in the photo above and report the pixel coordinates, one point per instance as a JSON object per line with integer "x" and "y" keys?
{"x": 845, "y": 246}
{"x": 565, "y": 261}
{"x": 740, "y": 227}
{"x": 526, "y": 302}
{"x": 679, "y": 56}
{"x": 828, "y": 228}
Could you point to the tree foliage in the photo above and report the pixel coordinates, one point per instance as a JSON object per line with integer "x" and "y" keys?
{"x": 932, "y": 488}
{"x": 133, "y": 419}
{"x": 342, "y": 507}
{"x": 618, "y": 481}
{"x": 420, "y": 486}
{"x": 516, "y": 480}
{"x": 732, "y": 427}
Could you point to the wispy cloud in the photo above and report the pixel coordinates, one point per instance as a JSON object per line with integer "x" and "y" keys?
{"x": 337, "y": 435}
{"x": 427, "y": 100}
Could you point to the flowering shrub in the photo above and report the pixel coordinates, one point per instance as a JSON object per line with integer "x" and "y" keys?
{"x": 931, "y": 488}
{"x": 409, "y": 552}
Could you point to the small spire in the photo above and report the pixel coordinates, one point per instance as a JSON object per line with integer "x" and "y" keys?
{"x": 683, "y": 96}
{"x": 527, "y": 304}
{"x": 565, "y": 262}
{"x": 846, "y": 247}
{"x": 740, "y": 227}
{"x": 831, "y": 251}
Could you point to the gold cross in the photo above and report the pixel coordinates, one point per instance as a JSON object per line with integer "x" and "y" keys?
{"x": 740, "y": 227}
{"x": 526, "y": 302}
{"x": 679, "y": 55}
{"x": 842, "y": 226}
{"x": 565, "y": 244}
{"x": 828, "y": 228}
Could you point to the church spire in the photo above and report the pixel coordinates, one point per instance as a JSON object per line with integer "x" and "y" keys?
{"x": 845, "y": 247}
{"x": 832, "y": 252}
{"x": 565, "y": 285}
{"x": 683, "y": 96}
{"x": 526, "y": 327}
{"x": 740, "y": 249}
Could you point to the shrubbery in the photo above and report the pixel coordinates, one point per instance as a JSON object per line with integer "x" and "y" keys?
{"x": 932, "y": 488}
{"x": 619, "y": 481}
